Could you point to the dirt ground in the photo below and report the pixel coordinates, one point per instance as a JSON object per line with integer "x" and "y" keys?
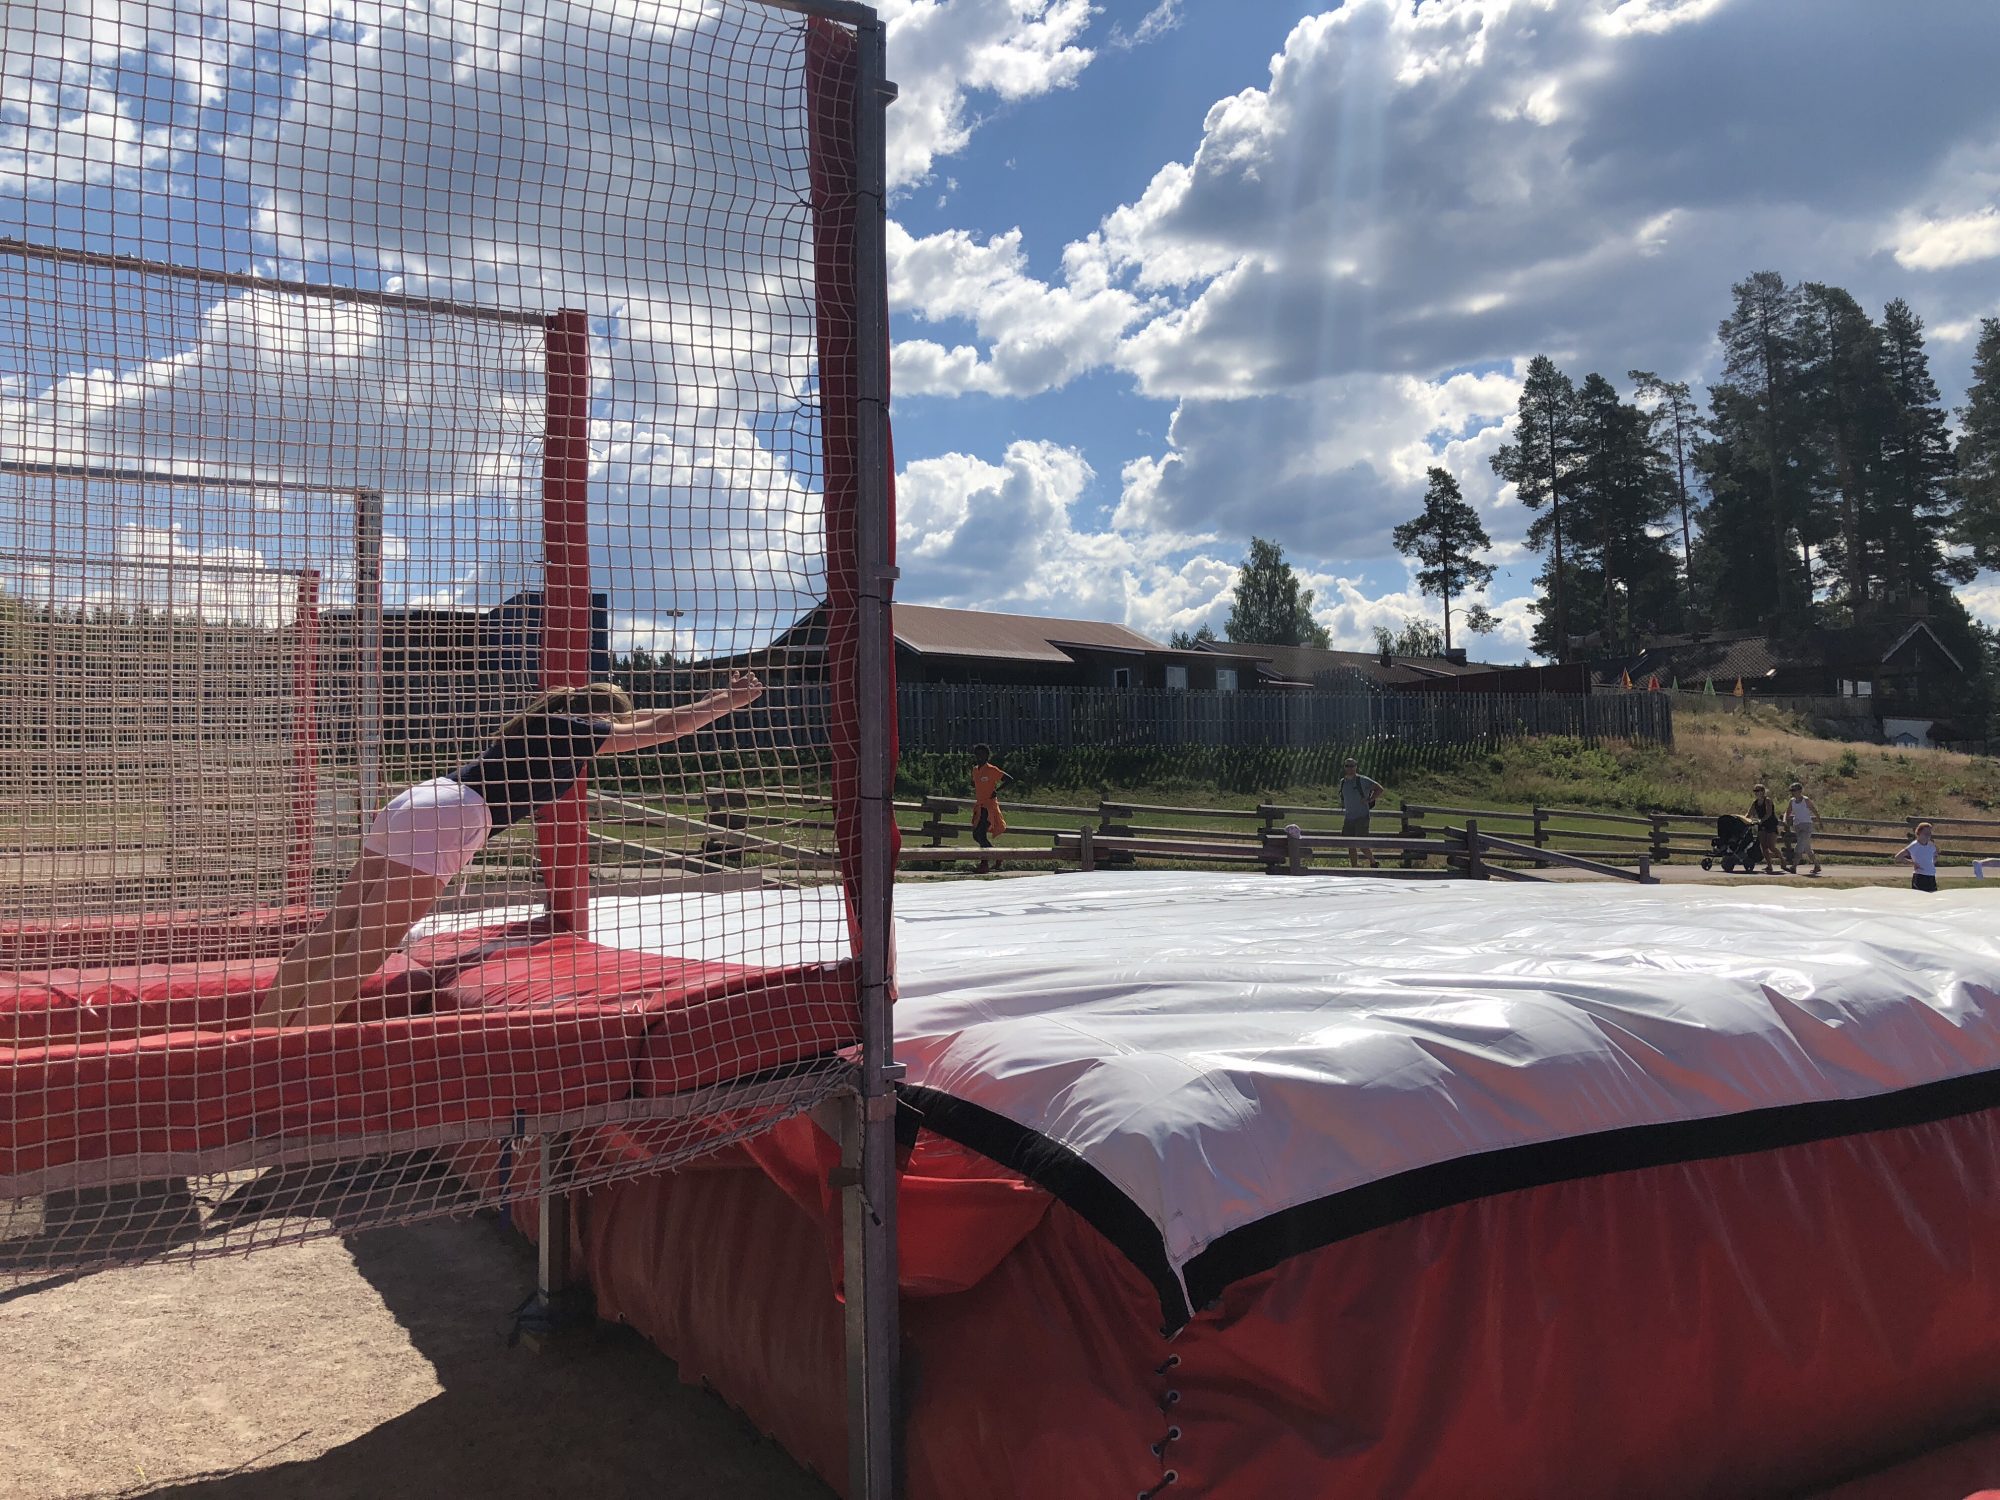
{"x": 373, "y": 1366}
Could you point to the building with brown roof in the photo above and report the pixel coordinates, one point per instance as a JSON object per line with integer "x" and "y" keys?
{"x": 1897, "y": 673}
{"x": 976, "y": 646}
{"x": 1374, "y": 671}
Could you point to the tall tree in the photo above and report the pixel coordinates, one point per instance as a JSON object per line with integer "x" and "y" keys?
{"x": 1674, "y": 424}
{"x": 1978, "y": 481}
{"x": 1848, "y": 403}
{"x": 1271, "y": 607}
{"x": 1617, "y": 505}
{"x": 1188, "y": 640}
{"x": 1914, "y": 502}
{"x": 1762, "y": 412}
{"x": 1445, "y": 540}
{"x": 1538, "y": 464}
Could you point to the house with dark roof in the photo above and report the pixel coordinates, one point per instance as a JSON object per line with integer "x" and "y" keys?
{"x": 1896, "y": 674}
{"x": 976, "y": 646}
{"x": 1359, "y": 671}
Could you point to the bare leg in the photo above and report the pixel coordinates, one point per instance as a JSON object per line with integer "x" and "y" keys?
{"x": 381, "y": 901}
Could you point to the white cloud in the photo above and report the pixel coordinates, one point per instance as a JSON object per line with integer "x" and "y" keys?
{"x": 1037, "y": 337}
{"x": 1937, "y": 244}
{"x": 1154, "y": 24}
{"x": 943, "y": 51}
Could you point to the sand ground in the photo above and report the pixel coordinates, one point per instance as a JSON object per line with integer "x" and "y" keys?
{"x": 372, "y": 1366}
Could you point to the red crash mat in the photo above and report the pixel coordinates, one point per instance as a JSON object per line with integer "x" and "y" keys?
{"x": 486, "y": 1025}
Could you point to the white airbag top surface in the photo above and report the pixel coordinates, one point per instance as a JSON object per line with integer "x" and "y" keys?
{"x": 1223, "y": 1047}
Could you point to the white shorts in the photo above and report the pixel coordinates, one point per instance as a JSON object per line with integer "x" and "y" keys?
{"x": 435, "y": 828}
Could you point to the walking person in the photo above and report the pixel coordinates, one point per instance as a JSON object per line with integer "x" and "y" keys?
{"x": 1921, "y": 853}
{"x": 1764, "y": 818}
{"x": 1805, "y": 818}
{"x": 988, "y": 823}
{"x": 1357, "y": 801}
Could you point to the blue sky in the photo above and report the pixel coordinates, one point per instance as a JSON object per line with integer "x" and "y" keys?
{"x": 1250, "y": 268}
{"x": 1166, "y": 274}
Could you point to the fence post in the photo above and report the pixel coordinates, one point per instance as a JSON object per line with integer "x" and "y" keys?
{"x": 1475, "y": 867}
{"x": 1086, "y": 848}
{"x": 1645, "y": 868}
{"x": 1659, "y": 849}
{"x": 1541, "y": 821}
{"x": 1295, "y": 851}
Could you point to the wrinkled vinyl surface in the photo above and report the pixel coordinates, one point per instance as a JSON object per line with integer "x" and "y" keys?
{"x": 1224, "y": 1048}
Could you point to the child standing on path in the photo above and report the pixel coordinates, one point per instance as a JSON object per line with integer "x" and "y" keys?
{"x": 1804, "y": 818}
{"x": 1921, "y": 853}
{"x": 987, "y": 822}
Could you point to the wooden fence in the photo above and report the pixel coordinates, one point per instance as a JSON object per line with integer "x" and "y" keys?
{"x": 942, "y": 716}
{"x": 938, "y": 830}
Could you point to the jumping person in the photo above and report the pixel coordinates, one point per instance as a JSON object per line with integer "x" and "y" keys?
{"x": 1921, "y": 854}
{"x": 1357, "y": 801}
{"x": 1764, "y": 817}
{"x": 987, "y": 820}
{"x": 1805, "y": 817}
{"x": 419, "y": 843}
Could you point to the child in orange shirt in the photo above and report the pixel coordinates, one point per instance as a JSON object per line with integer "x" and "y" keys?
{"x": 987, "y": 822}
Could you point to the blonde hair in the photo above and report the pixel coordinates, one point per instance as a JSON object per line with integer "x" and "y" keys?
{"x": 594, "y": 700}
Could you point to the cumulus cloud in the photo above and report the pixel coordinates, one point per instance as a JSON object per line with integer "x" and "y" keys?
{"x": 944, "y": 51}
{"x": 1938, "y": 244}
{"x": 1418, "y": 191}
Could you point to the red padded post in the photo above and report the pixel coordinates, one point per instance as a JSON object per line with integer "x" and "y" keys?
{"x": 561, "y": 827}
{"x": 305, "y": 741}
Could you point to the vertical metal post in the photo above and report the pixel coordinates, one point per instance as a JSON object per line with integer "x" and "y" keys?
{"x": 552, "y": 1224}
{"x": 305, "y": 741}
{"x": 868, "y": 1142}
{"x": 368, "y": 666}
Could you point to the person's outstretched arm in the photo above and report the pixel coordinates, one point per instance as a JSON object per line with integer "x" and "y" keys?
{"x": 660, "y": 726}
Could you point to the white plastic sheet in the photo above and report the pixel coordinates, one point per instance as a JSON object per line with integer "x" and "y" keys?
{"x": 1225, "y": 1047}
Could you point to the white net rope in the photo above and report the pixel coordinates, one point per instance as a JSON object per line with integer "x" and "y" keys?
{"x": 368, "y": 373}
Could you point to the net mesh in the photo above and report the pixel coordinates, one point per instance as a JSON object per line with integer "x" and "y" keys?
{"x": 369, "y": 372}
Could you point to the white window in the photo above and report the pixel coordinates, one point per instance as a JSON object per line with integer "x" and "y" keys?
{"x": 1864, "y": 689}
{"x": 1177, "y": 678}
{"x": 1121, "y": 677}
{"x": 1225, "y": 679}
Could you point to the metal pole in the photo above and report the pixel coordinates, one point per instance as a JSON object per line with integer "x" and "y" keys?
{"x": 368, "y": 649}
{"x": 868, "y": 1133}
{"x": 305, "y": 741}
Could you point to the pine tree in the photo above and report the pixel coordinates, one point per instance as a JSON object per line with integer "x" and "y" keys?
{"x": 1914, "y": 502}
{"x": 1849, "y": 403}
{"x": 1617, "y": 502}
{"x": 1445, "y": 541}
{"x": 1186, "y": 640}
{"x": 1538, "y": 464}
{"x": 1760, "y": 419}
{"x": 1978, "y": 481}
{"x": 1674, "y": 424}
{"x": 1271, "y": 607}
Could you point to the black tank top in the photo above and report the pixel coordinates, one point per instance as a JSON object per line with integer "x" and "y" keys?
{"x": 524, "y": 771}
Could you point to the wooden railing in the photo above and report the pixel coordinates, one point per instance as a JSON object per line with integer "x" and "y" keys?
{"x": 1410, "y": 835}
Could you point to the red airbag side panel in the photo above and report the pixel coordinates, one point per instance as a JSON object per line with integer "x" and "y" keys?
{"x": 1758, "y": 1325}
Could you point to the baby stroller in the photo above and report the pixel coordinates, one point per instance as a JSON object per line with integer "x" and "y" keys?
{"x": 1735, "y": 843}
